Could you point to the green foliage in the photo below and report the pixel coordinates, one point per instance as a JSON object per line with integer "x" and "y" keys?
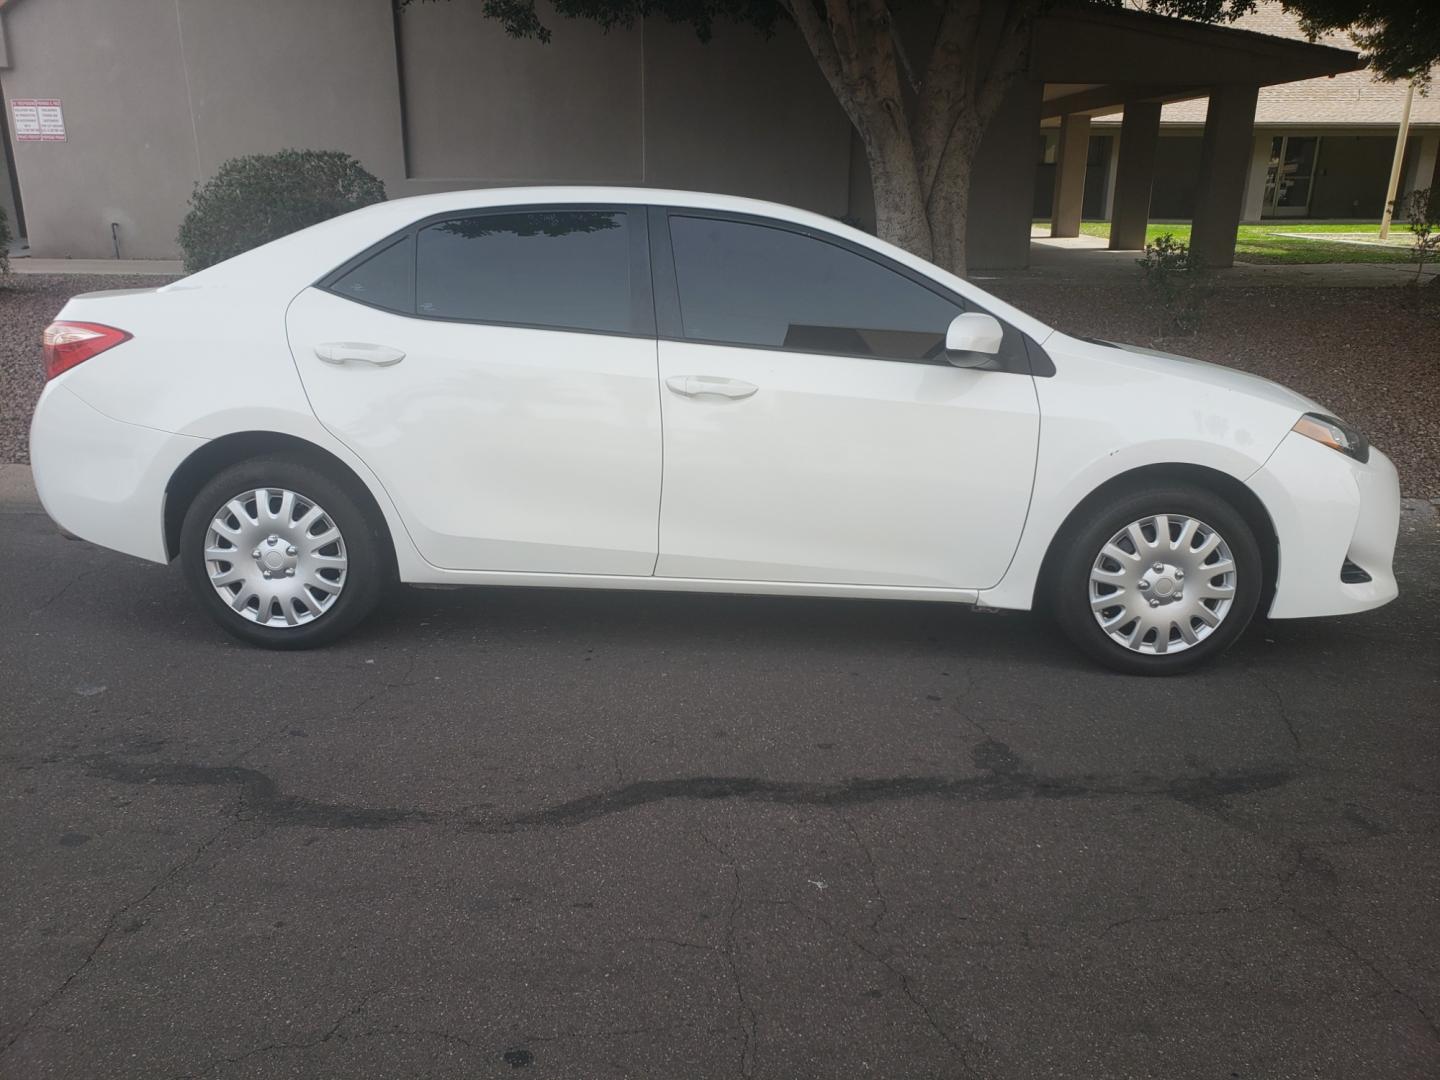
{"x": 4, "y": 242}
{"x": 1422, "y": 208}
{"x": 1177, "y": 283}
{"x": 253, "y": 200}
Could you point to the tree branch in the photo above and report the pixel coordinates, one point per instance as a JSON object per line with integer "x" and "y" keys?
{"x": 947, "y": 87}
{"x": 1012, "y": 52}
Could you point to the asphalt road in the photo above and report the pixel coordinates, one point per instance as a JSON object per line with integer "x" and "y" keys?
{"x": 591, "y": 835}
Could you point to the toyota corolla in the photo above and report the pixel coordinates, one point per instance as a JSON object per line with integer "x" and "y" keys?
{"x": 637, "y": 389}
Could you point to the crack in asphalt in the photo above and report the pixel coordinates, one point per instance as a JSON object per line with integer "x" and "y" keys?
{"x": 1004, "y": 778}
{"x": 1285, "y": 717}
{"x": 269, "y": 1048}
{"x": 872, "y": 873}
{"x": 900, "y": 975}
{"x": 1314, "y": 864}
{"x": 260, "y": 797}
{"x": 111, "y": 924}
{"x": 750, "y": 1020}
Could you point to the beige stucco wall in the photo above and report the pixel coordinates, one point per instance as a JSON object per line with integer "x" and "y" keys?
{"x": 481, "y": 106}
{"x": 129, "y": 155}
{"x": 169, "y": 89}
{"x": 650, "y": 105}
{"x": 157, "y": 93}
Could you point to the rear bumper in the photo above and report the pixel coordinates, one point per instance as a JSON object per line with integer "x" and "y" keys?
{"x": 1327, "y": 508}
{"x": 101, "y": 479}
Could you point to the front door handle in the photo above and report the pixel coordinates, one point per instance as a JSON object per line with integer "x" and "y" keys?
{"x": 695, "y": 385}
{"x": 359, "y": 352}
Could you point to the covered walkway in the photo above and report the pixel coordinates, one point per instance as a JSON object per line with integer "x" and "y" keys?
{"x": 1090, "y": 259}
{"x": 1089, "y": 62}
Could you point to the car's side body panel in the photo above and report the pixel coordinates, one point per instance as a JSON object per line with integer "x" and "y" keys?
{"x": 505, "y": 448}
{"x": 202, "y": 364}
{"x": 1327, "y": 508}
{"x": 1108, "y": 412}
{"x": 844, "y": 469}
{"x": 101, "y": 479}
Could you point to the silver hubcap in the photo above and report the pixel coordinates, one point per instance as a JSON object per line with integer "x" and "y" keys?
{"x": 276, "y": 557}
{"x": 1162, "y": 584}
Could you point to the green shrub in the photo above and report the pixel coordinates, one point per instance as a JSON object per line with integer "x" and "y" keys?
{"x": 4, "y": 242}
{"x": 253, "y": 200}
{"x": 1422, "y": 207}
{"x": 1178, "y": 285}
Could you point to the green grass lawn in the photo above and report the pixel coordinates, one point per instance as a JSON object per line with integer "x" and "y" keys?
{"x": 1275, "y": 243}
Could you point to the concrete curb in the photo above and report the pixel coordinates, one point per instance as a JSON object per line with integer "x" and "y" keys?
{"x": 127, "y": 267}
{"x": 17, "y": 488}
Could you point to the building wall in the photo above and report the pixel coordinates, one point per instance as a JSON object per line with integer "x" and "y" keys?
{"x": 1352, "y": 172}
{"x": 172, "y": 88}
{"x": 129, "y": 156}
{"x": 1177, "y": 177}
{"x": 481, "y": 105}
{"x": 1099, "y": 152}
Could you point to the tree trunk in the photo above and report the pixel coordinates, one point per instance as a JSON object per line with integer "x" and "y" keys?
{"x": 921, "y": 159}
{"x": 900, "y": 213}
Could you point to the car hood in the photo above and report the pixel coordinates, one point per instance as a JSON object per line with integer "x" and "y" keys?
{"x": 1213, "y": 375}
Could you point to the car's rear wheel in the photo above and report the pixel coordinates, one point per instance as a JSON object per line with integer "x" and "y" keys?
{"x": 281, "y": 555}
{"x": 1158, "y": 581}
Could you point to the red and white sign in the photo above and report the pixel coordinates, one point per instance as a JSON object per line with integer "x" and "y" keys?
{"x": 38, "y": 119}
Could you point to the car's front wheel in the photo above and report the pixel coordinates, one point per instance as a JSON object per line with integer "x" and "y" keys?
{"x": 1158, "y": 581}
{"x": 281, "y": 555}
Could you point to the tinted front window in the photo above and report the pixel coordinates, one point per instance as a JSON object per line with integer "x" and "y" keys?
{"x": 386, "y": 279}
{"x": 567, "y": 269}
{"x": 750, "y": 284}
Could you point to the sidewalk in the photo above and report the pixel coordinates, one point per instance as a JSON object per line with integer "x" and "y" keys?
{"x": 1088, "y": 258}
{"x": 120, "y": 267}
{"x": 17, "y": 488}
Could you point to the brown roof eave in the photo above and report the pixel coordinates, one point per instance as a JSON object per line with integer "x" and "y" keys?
{"x": 1228, "y": 54}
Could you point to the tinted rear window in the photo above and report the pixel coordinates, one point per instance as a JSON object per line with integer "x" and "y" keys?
{"x": 386, "y": 279}
{"x": 560, "y": 269}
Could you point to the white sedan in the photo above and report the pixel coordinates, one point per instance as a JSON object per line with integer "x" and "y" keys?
{"x": 627, "y": 388}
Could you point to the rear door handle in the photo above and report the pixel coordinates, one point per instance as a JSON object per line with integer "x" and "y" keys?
{"x": 696, "y": 385}
{"x": 359, "y": 352}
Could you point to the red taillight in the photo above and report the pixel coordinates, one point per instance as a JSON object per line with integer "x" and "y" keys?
{"x": 69, "y": 343}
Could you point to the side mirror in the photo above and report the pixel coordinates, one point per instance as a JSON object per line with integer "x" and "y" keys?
{"x": 973, "y": 338}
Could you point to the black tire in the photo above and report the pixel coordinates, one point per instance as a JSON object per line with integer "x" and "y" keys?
{"x": 1070, "y": 593}
{"x": 366, "y": 576}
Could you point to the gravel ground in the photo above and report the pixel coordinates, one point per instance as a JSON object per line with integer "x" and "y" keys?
{"x": 27, "y": 304}
{"x": 1368, "y": 354}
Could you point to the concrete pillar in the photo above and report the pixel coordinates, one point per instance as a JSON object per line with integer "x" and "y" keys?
{"x": 1112, "y": 166}
{"x": 1255, "y": 183}
{"x": 1071, "y": 157}
{"x": 1427, "y": 164}
{"x": 1225, "y": 157}
{"x": 1002, "y": 187}
{"x": 1139, "y": 132}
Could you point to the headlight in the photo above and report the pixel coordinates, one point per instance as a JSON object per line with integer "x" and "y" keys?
{"x": 1335, "y": 434}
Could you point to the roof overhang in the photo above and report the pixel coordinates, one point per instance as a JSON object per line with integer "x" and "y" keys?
{"x": 1095, "y": 59}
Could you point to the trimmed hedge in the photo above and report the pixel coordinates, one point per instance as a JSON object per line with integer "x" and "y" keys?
{"x": 253, "y": 200}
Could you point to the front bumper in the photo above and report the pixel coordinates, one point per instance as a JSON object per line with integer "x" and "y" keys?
{"x": 1327, "y": 508}
{"x": 100, "y": 479}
